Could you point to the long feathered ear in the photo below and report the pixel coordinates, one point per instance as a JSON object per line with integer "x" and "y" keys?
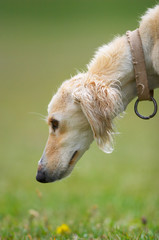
{"x": 100, "y": 102}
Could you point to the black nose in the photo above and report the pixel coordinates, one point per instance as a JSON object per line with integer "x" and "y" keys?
{"x": 40, "y": 177}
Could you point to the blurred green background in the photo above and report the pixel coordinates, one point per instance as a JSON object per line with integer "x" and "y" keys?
{"x": 42, "y": 43}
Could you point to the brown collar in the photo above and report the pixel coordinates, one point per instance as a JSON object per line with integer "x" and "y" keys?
{"x": 134, "y": 40}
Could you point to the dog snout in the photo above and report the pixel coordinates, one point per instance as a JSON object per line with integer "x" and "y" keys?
{"x": 41, "y": 176}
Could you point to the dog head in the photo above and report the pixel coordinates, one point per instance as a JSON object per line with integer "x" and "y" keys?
{"x": 81, "y": 110}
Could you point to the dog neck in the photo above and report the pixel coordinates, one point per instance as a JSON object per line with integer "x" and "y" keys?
{"x": 113, "y": 62}
{"x": 129, "y": 91}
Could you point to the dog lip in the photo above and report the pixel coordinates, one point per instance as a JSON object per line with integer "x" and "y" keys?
{"x": 73, "y": 157}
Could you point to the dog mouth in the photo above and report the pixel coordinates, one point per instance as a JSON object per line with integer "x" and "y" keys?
{"x": 70, "y": 165}
{"x": 73, "y": 158}
{"x": 44, "y": 178}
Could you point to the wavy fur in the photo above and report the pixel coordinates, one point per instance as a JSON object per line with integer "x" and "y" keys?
{"x": 100, "y": 101}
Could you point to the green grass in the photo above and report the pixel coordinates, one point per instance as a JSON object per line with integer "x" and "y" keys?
{"x": 106, "y": 196}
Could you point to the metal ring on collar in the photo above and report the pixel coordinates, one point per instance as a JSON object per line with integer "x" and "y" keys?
{"x": 144, "y": 117}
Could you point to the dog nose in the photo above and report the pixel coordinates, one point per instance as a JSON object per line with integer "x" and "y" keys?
{"x": 41, "y": 177}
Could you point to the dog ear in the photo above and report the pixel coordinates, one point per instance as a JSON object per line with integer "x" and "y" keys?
{"x": 100, "y": 102}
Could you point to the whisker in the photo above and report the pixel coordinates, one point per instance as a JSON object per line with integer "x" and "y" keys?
{"x": 42, "y": 117}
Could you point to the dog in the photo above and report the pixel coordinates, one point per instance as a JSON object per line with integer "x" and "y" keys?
{"x": 84, "y": 107}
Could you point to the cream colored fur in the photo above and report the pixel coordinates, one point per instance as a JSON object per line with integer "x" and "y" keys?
{"x": 86, "y": 105}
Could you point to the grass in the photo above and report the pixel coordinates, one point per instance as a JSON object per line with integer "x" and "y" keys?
{"x": 112, "y": 196}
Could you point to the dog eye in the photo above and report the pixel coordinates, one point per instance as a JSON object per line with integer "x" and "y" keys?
{"x": 54, "y": 124}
